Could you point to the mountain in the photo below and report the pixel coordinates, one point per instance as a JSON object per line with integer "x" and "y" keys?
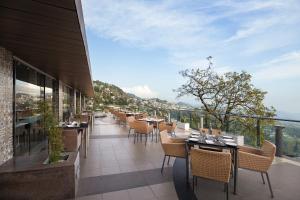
{"x": 109, "y": 94}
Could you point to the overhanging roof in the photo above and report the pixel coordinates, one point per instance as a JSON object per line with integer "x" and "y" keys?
{"x": 49, "y": 35}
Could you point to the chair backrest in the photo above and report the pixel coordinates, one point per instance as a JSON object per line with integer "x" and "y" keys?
{"x": 164, "y": 137}
{"x": 130, "y": 121}
{"x": 170, "y": 147}
{"x": 268, "y": 149}
{"x": 162, "y": 126}
{"x": 140, "y": 126}
{"x": 216, "y": 132}
{"x": 204, "y": 130}
{"x": 122, "y": 116}
{"x": 211, "y": 164}
{"x": 171, "y": 128}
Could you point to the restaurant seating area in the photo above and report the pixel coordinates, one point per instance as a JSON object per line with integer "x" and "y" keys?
{"x": 120, "y": 166}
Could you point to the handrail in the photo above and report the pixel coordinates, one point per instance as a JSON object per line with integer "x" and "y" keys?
{"x": 243, "y": 116}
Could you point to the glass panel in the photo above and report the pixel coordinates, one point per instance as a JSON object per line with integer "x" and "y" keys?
{"x": 77, "y": 102}
{"x": 66, "y": 103}
{"x": 29, "y": 88}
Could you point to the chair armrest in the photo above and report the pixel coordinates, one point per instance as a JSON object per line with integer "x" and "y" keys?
{"x": 174, "y": 149}
{"x": 254, "y": 162}
{"x": 249, "y": 149}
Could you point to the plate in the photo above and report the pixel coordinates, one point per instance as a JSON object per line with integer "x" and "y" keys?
{"x": 209, "y": 141}
{"x": 227, "y": 137}
{"x": 228, "y": 140}
{"x": 195, "y": 136}
{"x": 231, "y": 144}
{"x": 193, "y": 139}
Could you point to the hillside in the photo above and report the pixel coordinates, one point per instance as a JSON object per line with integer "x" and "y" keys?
{"x": 109, "y": 94}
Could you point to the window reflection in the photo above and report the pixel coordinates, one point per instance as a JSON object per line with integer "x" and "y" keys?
{"x": 66, "y": 103}
{"x": 31, "y": 88}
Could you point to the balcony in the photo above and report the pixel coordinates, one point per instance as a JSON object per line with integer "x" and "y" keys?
{"x": 118, "y": 168}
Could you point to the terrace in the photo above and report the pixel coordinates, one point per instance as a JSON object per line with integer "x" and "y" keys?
{"x": 118, "y": 168}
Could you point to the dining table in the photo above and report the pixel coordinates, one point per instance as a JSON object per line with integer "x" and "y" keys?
{"x": 155, "y": 121}
{"x": 224, "y": 141}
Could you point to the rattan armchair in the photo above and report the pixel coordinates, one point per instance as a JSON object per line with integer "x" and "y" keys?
{"x": 171, "y": 127}
{"x": 130, "y": 122}
{"x": 122, "y": 118}
{"x": 215, "y": 132}
{"x": 258, "y": 160}
{"x": 211, "y": 165}
{"x": 172, "y": 148}
{"x": 142, "y": 128}
{"x": 162, "y": 126}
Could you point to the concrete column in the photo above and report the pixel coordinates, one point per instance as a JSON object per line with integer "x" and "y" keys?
{"x": 201, "y": 122}
{"x": 75, "y": 101}
{"x": 80, "y": 102}
{"x": 6, "y": 105}
{"x": 60, "y": 100}
{"x": 278, "y": 140}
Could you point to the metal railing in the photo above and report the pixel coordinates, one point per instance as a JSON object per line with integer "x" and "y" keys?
{"x": 284, "y": 133}
{"x": 277, "y": 130}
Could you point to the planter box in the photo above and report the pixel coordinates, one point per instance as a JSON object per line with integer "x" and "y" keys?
{"x": 185, "y": 126}
{"x": 71, "y": 139}
{"x": 44, "y": 181}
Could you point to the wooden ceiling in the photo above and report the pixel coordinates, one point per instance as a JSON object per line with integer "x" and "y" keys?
{"x": 50, "y": 36}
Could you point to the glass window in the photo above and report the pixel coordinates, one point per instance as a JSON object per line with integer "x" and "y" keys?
{"x": 66, "y": 103}
{"x": 78, "y": 103}
{"x": 29, "y": 91}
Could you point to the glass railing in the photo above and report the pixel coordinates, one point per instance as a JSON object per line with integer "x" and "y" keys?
{"x": 254, "y": 129}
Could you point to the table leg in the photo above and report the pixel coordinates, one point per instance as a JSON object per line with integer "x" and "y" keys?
{"x": 187, "y": 163}
{"x": 85, "y": 143}
{"x": 157, "y": 130}
{"x": 235, "y": 169}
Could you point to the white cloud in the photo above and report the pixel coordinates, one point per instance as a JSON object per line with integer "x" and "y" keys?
{"x": 285, "y": 66}
{"x": 192, "y": 30}
{"x": 143, "y": 91}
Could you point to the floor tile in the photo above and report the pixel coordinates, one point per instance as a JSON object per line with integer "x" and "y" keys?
{"x": 90, "y": 197}
{"x": 142, "y": 193}
{"x": 118, "y": 195}
{"x": 163, "y": 189}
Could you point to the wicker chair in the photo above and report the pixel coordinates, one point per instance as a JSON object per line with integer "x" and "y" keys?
{"x": 130, "y": 121}
{"x": 162, "y": 126}
{"x": 211, "y": 165}
{"x": 216, "y": 132}
{"x": 142, "y": 128}
{"x": 122, "y": 118}
{"x": 172, "y": 148}
{"x": 258, "y": 160}
{"x": 171, "y": 127}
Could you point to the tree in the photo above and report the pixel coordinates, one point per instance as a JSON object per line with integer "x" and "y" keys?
{"x": 50, "y": 125}
{"x": 224, "y": 95}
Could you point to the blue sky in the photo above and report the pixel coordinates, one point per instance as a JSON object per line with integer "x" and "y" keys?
{"x": 141, "y": 46}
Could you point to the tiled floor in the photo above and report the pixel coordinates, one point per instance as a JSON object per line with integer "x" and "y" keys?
{"x": 113, "y": 156}
{"x": 163, "y": 191}
{"x": 116, "y": 168}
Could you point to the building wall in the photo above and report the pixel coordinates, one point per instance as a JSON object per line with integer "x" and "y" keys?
{"x": 6, "y": 105}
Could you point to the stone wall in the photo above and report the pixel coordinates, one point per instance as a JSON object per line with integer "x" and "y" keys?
{"x": 6, "y": 105}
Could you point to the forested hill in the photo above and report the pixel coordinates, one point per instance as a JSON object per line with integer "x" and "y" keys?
{"x": 109, "y": 94}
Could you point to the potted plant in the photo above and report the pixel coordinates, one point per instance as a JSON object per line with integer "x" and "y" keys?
{"x": 51, "y": 126}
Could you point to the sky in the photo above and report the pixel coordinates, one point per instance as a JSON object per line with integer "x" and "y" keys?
{"x": 141, "y": 46}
